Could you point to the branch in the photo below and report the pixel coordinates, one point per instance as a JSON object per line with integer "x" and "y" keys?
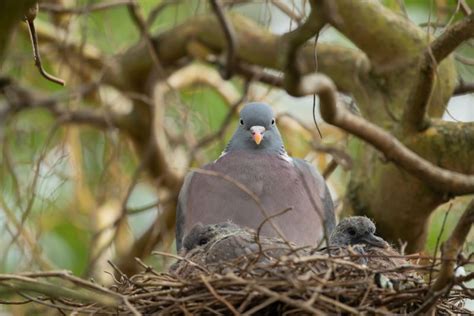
{"x": 464, "y": 88}
{"x": 414, "y": 117}
{"x": 451, "y": 249}
{"x": 434, "y": 176}
{"x": 20, "y": 99}
{"x": 20, "y": 283}
{"x": 230, "y": 37}
{"x": 293, "y": 41}
{"x": 29, "y": 18}
{"x": 455, "y": 35}
{"x": 256, "y": 46}
{"x": 389, "y": 40}
{"x": 458, "y": 137}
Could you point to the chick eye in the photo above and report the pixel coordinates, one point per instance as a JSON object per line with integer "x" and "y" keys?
{"x": 273, "y": 122}
{"x": 241, "y": 122}
{"x": 351, "y": 231}
{"x": 202, "y": 241}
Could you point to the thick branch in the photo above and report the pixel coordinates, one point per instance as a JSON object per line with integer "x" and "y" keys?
{"x": 449, "y": 145}
{"x": 415, "y": 112}
{"x": 434, "y": 176}
{"x": 256, "y": 46}
{"x": 389, "y": 39}
{"x": 464, "y": 88}
{"x": 452, "y": 247}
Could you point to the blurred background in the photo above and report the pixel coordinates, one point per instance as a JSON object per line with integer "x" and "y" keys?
{"x": 65, "y": 188}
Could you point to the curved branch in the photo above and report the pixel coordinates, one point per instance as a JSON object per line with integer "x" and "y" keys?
{"x": 452, "y": 247}
{"x": 30, "y": 17}
{"x": 229, "y": 33}
{"x": 293, "y": 41}
{"x": 414, "y": 117}
{"x": 434, "y": 176}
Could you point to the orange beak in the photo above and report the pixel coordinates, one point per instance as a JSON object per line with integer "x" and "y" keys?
{"x": 257, "y": 133}
{"x": 257, "y": 137}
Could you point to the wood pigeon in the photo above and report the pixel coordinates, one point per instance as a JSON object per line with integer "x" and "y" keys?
{"x": 256, "y": 159}
{"x": 359, "y": 232}
{"x": 356, "y": 230}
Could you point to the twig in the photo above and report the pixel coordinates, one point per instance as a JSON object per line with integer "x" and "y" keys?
{"x": 451, "y": 248}
{"x": 289, "y": 12}
{"x": 330, "y": 168}
{"x": 280, "y": 297}
{"x": 465, "y": 7}
{"x": 225, "y": 123}
{"x": 156, "y": 11}
{"x": 21, "y": 283}
{"x": 218, "y": 297}
{"x": 29, "y": 18}
{"x": 260, "y": 226}
{"x": 230, "y": 37}
{"x": 252, "y": 195}
{"x": 464, "y": 60}
{"x": 165, "y": 254}
{"x": 137, "y": 18}
{"x": 438, "y": 239}
{"x": 293, "y": 41}
{"x": 252, "y": 72}
{"x": 143, "y": 208}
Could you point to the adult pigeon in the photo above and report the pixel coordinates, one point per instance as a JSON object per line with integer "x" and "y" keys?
{"x": 255, "y": 160}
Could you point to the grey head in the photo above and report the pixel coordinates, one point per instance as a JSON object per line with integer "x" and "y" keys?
{"x": 200, "y": 235}
{"x": 356, "y": 230}
{"x": 257, "y": 131}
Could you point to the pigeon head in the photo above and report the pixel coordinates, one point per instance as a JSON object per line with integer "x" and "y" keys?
{"x": 257, "y": 131}
{"x": 200, "y": 235}
{"x": 356, "y": 230}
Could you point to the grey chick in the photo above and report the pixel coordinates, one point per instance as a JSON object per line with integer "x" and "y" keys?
{"x": 356, "y": 230}
{"x": 359, "y": 233}
{"x": 211, "y": 245}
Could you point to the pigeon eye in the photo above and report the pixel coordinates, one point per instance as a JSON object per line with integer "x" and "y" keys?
{"x": 351, "y": 231}
{"x": 273, "y": 121}
{"x": 241, "y": 122}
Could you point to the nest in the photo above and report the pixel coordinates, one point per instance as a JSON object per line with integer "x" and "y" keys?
{"x": 342, "y": 283}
